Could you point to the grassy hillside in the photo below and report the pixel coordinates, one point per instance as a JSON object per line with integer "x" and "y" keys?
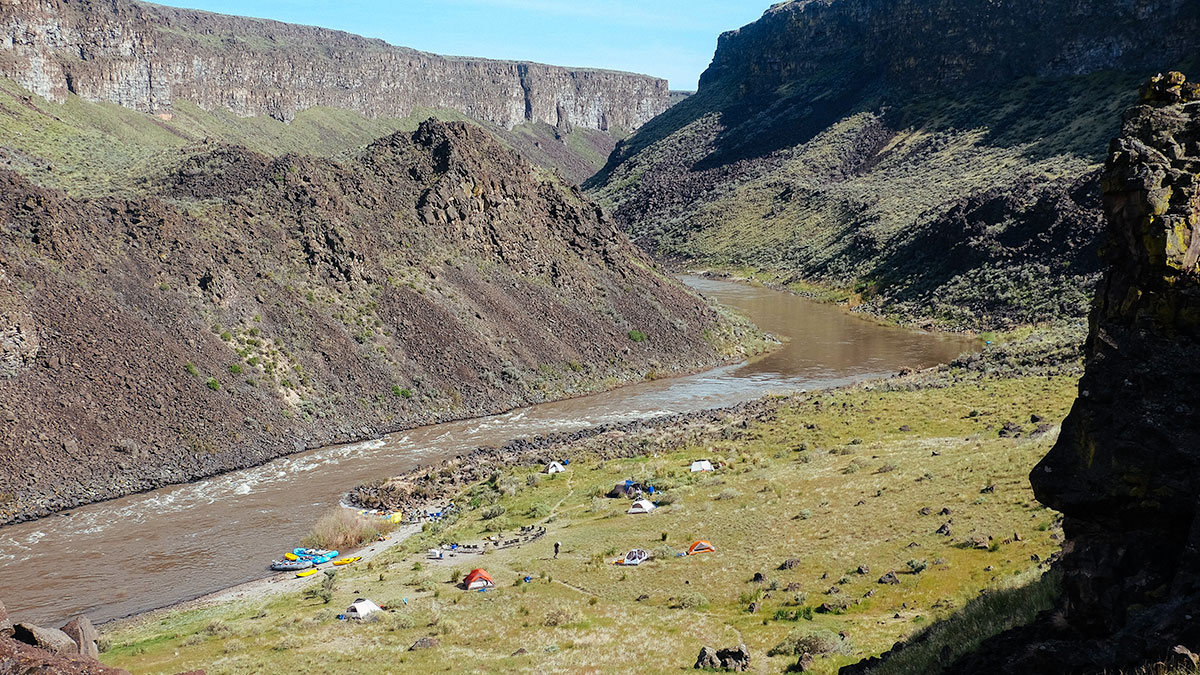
{"x": 941, "y": 208}
{"x": 822, "y": 494}
{"x": 98, "y": 149}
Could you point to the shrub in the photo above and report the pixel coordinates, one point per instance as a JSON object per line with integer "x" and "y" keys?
{"x": 917, "y": 566}
{"x": 235, "y": 369}
{"x": 324, "y": 592}
{"x": 728, "y": 493}
{"x": 400, "y": 392}
{"x": 192, "y": 370}
{"x": 539, "y": 510}
{"x": 232, "y": 646}
{"x": 559, "y": 617}
{"x": 213, "y": 383}
{"x": 691, "y": 601}
{"x": 815, "y": 642}
{"x": 492, "y": 512}
{"x": 191, "y": 640}
{"x": 288, "y": 642}
{"x": 400, "y": 621}
{"x": 343, "y": 528}
{"x": 637, "y": 335}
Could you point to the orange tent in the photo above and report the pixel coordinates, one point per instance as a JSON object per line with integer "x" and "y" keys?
{"x": 478, "y": 578}
{"x": 701, "y": 547}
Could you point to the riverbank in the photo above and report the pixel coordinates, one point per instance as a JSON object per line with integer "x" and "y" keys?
{"x": 94, "y": 560}
{"x": 260, "y": 590}
{"x": 847, "y": 474}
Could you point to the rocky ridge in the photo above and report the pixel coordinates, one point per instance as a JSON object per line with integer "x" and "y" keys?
{"x": 246, "y": 307}
{"x": 148, "y": 57}
{"x": 839, "y": 141}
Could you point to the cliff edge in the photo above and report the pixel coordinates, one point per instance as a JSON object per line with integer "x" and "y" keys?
{"x": 147, "y": 57}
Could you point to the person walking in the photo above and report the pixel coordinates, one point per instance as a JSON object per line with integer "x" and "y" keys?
{"x": 556, "y": 545}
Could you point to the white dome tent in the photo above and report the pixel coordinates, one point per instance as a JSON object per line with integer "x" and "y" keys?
{"x": 642, "y": 506}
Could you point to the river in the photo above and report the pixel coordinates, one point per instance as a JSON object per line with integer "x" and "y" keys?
{"x": 149, "y": 550}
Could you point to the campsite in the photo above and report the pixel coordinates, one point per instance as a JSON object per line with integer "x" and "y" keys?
{"x": 853, "y": 496}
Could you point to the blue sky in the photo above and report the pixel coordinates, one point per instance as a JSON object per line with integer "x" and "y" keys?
{"x": 674, "y": 39}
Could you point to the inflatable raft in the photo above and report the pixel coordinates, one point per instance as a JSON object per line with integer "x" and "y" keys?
{"x": 317, "y": 556}
{"x": 291, "y": 565}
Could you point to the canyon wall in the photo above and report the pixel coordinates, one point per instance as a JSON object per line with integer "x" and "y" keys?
{"x": 146, "y": 57}
{"x": 936, "y": 160}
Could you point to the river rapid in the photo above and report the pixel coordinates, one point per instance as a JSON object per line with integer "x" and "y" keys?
{"x": 146, "y": 551}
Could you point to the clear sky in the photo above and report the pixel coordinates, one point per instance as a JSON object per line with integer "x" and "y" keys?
{"x": 674, "y": 39}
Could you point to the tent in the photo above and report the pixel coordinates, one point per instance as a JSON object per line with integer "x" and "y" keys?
{"x": 701, "y": 547}
{"x": 361, "y": 609}
{"x": 477, "y": 579}
{"x": 627, "y": 489}
{"x": 436, "y": 554}
{"x": 635, "y": 557}
{"x": 701, "y": 465}
{"x": 554, "y": 467}
{"x": 642, "y": 506}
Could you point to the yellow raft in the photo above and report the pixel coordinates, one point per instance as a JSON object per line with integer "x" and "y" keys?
{"x": 347, "y": 561}
{"x": 307, "y": 573}
{"x": 291, "y": 556}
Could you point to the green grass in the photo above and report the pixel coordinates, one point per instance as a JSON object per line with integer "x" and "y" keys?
{"x": 580, "y": 611}
{"x": 92, "y": 149}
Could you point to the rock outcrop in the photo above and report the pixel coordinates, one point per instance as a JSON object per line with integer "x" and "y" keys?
{"x": 50, "y": 639}
{"x": 148, "y": 57}
{"x": 84, "y": 634}
{"x": 847, "y": 141}
{"x": 18, "y": 658}
{"x": 1125, "y": 471}
{"x": 246, "y": 307}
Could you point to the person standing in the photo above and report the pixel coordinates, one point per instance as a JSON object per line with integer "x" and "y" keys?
{"x": 556, "y": 545}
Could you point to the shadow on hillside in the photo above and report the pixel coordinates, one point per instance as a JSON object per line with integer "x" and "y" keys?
{"x": 941, "y": 644}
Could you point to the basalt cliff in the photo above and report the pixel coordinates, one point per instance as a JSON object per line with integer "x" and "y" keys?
{"x": 237, "y": 307}
{"x": 340, "y": 90}
{"x": 147, "y": 57}
{"x": 937, "y": 161}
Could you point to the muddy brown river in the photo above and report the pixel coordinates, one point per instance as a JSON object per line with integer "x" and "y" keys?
{"x": 145, "y": 551}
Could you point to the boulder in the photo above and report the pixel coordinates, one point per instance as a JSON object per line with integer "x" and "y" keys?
{"x": 707, "y": 660}
{"x": 805, "y": 663}
{"x": 736, "y": 659}
{"x": 50, "y": 639}
{"x": 889, "y": 578}
{"x": 6, "y": 627}
{"x": 81, "y": 630}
